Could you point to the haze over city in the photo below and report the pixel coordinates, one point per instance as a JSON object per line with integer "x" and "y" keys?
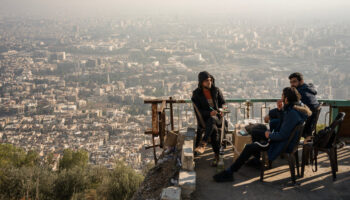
{"x": 246, "y": 9}
{"x": 74, "y": 73}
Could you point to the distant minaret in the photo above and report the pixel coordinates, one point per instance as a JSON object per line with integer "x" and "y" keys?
{"x": 330, "y": 96}
{"x": 108, "y": 80}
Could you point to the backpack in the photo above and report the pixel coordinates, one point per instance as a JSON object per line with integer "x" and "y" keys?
{"x": 321, "y": 139}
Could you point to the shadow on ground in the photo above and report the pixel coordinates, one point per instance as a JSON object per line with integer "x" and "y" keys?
{"x": 277, "y": 185}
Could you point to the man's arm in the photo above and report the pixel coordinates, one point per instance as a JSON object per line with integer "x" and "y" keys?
{"x": 221, "y": 99}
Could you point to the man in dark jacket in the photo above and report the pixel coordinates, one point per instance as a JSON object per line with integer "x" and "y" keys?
{"x": 308, "y": 97}
{"x": 294, "y": 113}
{"x": 207, "y": 100}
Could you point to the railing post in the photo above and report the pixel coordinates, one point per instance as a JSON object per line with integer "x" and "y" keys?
{"x": 154, "y": 150}
{"x": 240, "y": 109}
{"x": 162, "y": 123}
{"x": 261, "y": 115}
{"x": 325, "y": 118}
{"x": 171, "y": 114}
{"x": 334, "y": 112}
{"x": 155, "y": 130}
{"x": 248, "y": 109}
{"x": 252, "y": 110}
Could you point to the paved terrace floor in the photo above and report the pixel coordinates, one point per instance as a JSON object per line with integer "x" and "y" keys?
{"x": 277, "y": 185}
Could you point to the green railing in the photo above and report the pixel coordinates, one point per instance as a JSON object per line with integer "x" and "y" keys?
{"x": 332, "y": 104}
{"x": 246, "y": 106}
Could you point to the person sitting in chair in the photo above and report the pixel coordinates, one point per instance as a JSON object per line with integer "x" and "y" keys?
{"x": 274, "y": 116}
{"x": 207, "y": 100}
{"x": 308, "y": 97}
{"x": 294, "y": 113}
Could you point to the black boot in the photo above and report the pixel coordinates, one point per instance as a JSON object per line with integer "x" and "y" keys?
{"x": 223, "y": 176}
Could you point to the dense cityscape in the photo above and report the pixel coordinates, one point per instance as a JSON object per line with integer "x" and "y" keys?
{"x": 81, "y": 84}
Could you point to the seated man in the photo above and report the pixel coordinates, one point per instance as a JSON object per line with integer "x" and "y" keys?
{"x": 208, "y": 99}
{"x": 294, "y": 113}
{"x": 308, "y": 97}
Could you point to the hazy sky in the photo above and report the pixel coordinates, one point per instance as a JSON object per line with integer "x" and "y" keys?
{"x": 250, "y": 8}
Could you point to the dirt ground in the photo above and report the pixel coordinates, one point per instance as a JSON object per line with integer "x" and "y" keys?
{"x": 158, "y": 178}
{"x": 277, "y": 185}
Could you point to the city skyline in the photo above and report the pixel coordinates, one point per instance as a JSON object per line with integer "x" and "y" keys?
{"x": 80, "y": 82}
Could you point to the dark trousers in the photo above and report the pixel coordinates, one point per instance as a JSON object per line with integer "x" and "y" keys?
{"x": 258, "y": 133}
{"x": 250, "y": 150}
{"x": 212, "y": 126}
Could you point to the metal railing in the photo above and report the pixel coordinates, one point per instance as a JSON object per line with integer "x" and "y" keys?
{"x": 181, "y": 114}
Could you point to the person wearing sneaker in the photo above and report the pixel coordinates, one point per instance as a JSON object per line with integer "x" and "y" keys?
{"x": 294, "y": 113}
{"x": 207, "y": 98}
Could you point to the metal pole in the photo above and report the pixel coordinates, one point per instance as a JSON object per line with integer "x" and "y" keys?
{"x": 154, "y": 151}
{"x": 171, "y": 114}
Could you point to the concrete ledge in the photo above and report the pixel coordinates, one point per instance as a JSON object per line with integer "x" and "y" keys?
{"x": 190, "y": 134}
{"x": 187, "y": 156}
{"x": 171, "y": 193}
{"x": 185, "y": 135}
{"x": 187, "y": 176}
{"x": 187, "y": 182}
